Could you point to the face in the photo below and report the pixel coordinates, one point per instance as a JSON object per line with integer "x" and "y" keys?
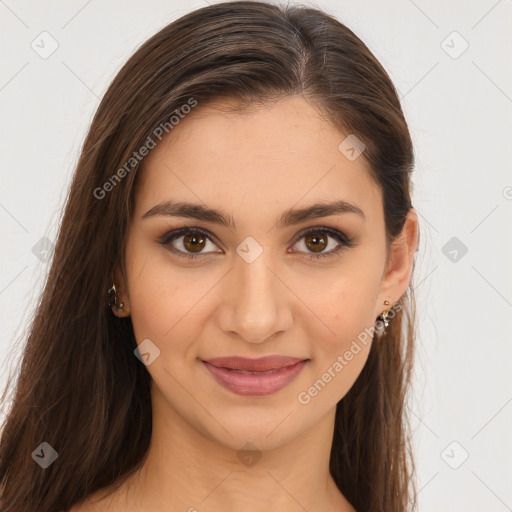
{"x": 266, "y": 281}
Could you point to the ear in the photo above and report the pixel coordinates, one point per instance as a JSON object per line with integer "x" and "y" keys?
{"x": 398, "y": 271}
{"x": 121, "y": 293}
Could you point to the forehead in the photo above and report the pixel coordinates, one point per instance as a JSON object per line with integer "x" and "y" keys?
{"x": 268, "y": 157}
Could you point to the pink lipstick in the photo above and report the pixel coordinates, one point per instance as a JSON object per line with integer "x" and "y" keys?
{"x": 255, "y": 377}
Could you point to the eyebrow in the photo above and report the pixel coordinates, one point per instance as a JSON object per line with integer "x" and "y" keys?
{"x": 289, "y": 218}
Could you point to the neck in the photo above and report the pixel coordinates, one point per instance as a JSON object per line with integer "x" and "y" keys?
{"x": 189, "y": 470}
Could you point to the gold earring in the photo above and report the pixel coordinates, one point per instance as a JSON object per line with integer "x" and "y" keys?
{"x": 385, "y": 314}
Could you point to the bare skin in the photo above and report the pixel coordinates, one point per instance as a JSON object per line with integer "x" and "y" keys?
{"x": 252, "y": 165}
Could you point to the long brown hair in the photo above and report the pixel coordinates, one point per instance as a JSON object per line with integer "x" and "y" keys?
{"x": 79, "y": 388}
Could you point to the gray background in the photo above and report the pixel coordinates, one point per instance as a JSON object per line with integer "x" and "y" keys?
{"x": 458, "y": 105}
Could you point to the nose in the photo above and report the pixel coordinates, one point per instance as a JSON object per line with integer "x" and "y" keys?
{"x": 257, "y": 303}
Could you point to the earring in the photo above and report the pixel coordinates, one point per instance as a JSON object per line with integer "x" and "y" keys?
{"x": 112, "y": 294}
{"x": 385, "y": 314}
{"x": 383, "y": 319}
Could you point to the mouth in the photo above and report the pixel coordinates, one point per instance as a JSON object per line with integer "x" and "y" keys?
{"x": 260, "y": 365}
{"x": 255, "y": 377}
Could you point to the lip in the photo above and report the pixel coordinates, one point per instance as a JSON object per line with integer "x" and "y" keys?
{"x": 284, "y": 370}
{"x": 261, "y": 364}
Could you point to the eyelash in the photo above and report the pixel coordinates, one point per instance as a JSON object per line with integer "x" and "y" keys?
{"x": 323, "y": 230}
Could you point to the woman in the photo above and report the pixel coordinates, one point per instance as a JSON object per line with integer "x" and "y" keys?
{"x": 228, "y": 321}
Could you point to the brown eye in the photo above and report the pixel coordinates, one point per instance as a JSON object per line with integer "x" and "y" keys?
{"x": 188, "y": 242}
{"x": 194, "y": 242}
{"x": 315, "y": 242}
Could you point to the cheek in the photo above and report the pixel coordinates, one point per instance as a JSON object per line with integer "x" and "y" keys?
{"x": 160, "y": 310}
{"x": 165, "y": 301}
{"x": 338, "y": 360}
{"x": 347, "y": 309}
{"x": 346, "y": 304}
{"x": 152, "y": 309}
